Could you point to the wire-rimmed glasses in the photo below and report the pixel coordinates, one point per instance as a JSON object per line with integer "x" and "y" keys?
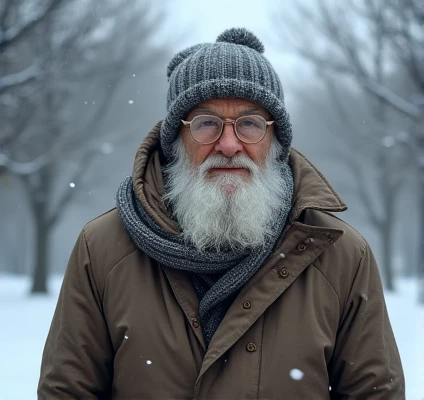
{"x": 207, "y": 129}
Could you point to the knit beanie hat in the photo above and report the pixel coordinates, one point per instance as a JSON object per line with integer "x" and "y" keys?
{"x": 233, "y": 67}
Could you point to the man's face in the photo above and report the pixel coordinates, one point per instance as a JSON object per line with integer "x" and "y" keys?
{"x": 228, "y": 144}
{"x": 225, "y": 195}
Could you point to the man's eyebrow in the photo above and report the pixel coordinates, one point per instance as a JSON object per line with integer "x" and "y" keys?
{"x": 202, "y": 111}
{"x": 249, "y": 111}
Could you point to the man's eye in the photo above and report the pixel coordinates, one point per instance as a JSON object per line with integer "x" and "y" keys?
{"x": 208, "y": 123}
{"x": 248, "y": 123}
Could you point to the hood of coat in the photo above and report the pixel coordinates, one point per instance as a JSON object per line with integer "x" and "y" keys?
{"x": 312, "y": 190}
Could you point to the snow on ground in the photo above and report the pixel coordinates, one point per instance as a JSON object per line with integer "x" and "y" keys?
{"x": 407, "y": 319}
{"x": 25, "y": 322}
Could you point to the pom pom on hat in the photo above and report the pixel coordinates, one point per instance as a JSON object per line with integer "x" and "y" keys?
{"x": 243, "y": 37}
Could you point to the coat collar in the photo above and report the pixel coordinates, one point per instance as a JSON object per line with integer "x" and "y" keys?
{"x": 312, "y": 190}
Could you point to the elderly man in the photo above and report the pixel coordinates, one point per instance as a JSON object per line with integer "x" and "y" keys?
{"x": 222, "y": 273}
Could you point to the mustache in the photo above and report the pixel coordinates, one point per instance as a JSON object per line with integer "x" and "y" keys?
{"x": 221, "y": 161}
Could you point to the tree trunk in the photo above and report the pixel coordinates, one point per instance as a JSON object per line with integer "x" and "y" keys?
{"x": 386, "y": 236}
{"x": 420, "y": 135}
{"x": 40, "y": 270}
{"x": 386, "y": 243}
{"x": 388, "y": 192}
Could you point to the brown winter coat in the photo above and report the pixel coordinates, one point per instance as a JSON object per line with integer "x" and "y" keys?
{"x": 126, "y": 327}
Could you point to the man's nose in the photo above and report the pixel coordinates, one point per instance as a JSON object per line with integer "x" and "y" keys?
{"x": 228, "y": 144}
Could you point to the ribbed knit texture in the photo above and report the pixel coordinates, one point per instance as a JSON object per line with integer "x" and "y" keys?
{"x": 233, "y": 67}
{"x": 217, "y": 277}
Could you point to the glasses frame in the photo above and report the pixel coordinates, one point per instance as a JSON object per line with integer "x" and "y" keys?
{"x": 227, "y": 121}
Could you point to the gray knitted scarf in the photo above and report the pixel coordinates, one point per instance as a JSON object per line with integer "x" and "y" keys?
{"x": 217, "y": 277}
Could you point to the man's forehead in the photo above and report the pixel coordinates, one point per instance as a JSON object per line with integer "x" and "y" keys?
{"x": 238, "y": 106}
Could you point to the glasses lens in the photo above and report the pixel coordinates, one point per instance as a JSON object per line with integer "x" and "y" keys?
{"x": 251, "y": 128}
{"x": 206, "y": 128}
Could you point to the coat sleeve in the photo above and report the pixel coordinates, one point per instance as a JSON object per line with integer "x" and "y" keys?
{"x": 77, "y": 360}
{"x": 366, "y": 362}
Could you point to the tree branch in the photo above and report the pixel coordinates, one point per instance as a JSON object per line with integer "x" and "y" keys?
{"x": 24, "y": 168}
{"x": 363, "y": 192}
{"x": 371, "y": 86}
{"x": 68, "y": 195}
{"x": 5, "y": 12}
{"x": 19, "y": 78}
{"x": 389, "y": 97}
{"x": 21, "y": 28}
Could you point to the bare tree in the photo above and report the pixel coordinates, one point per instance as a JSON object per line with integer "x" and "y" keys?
{"x": 52, "y": 58}
{"x": 11, "y": 33}
{"x": 365, "y": 43}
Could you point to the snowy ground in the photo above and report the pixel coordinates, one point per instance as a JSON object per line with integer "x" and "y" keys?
{"x": 25, "y": 321}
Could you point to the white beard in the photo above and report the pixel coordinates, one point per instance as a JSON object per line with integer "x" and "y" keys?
{"x": 228, "y": 212}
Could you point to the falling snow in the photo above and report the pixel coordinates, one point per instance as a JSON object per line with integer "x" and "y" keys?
{"x": 148, "y": 362}
{"x": 388, "y": 141}
{"x": 72, "y": 184}
{"x": 131, "y": 101}
{"x": 296, "y": 374}
{"x": 106, "y": 148}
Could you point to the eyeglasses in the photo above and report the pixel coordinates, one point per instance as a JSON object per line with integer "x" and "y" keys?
{"x": 207, "y": 129}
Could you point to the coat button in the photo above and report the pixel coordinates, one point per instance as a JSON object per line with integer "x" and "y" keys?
{"x": 301, "y": 247}
{"x": 330, "y": 240}
{"x": 247, "y": 305}
{"x": 195, "y": 323}
{"x": 283, "y": 273}
{"x": 251, "y": 347}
